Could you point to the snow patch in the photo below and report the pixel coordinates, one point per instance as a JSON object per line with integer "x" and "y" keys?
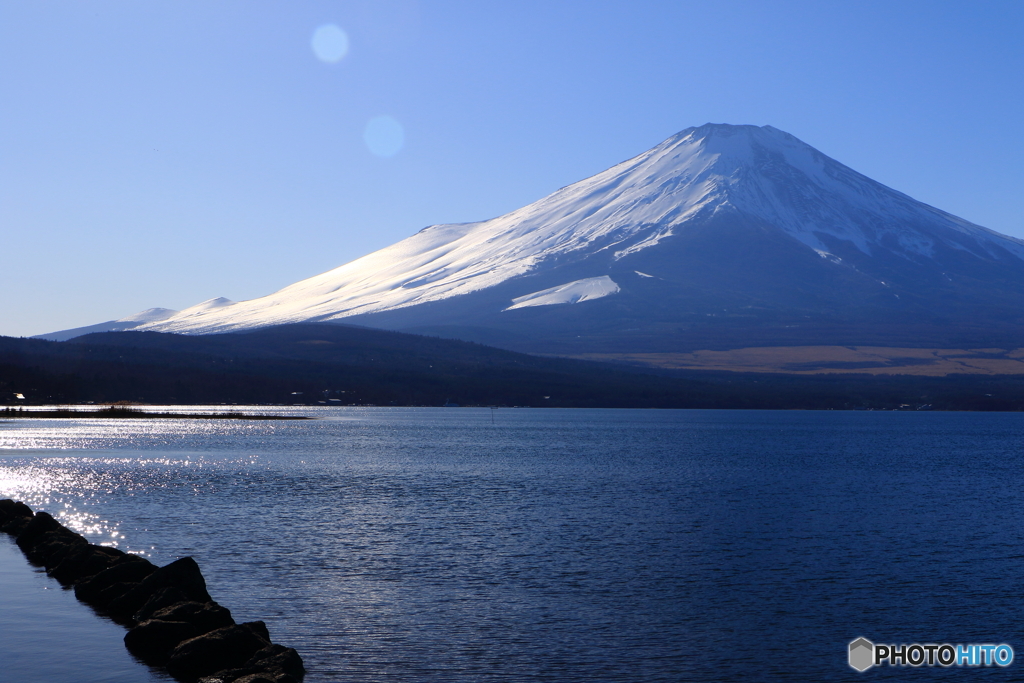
{"x": 150, "y": 315}
{"x": 828, "y": 256}
{"x": 647, "y": 242}
{"x": 642, "y": 274}
{"x": 569, "y": 293}
{"x": 208, "y": 305}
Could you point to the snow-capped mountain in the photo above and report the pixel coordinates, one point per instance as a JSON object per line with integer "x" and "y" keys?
{"x": 720, "y": 235}
{"x": 150, "y": 315}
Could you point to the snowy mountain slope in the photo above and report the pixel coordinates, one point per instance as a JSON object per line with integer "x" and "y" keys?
{"x": 130, "y": 322}
{"x": 743, "y": 216}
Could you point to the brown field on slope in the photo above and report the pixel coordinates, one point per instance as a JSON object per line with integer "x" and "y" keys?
{"x": 817, "y": 360}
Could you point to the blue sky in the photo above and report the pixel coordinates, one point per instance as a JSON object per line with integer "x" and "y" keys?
{"x": 161, "y": 153}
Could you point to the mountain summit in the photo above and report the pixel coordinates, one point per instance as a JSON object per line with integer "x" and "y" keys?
{"x": 721, "y": 236}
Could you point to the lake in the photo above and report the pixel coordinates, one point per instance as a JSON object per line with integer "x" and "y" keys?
{"x": 410, "y": 545}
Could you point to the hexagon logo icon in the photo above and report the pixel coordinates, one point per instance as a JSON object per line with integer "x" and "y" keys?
{"x": 862, "y": 654}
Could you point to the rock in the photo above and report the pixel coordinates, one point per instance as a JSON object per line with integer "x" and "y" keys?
{"x": 274, "y": 662}
{"x": 278, "y": 658}
{"x": 177, "y": 622}
{"x": 163, "y": 598}
{"x": 106, "y": 597}
{"x": 226, "y": 648}
{"x": 9, "y": 508}
{"x": 226, "y": 676}
{"x": 54, "y": 546}
{"x": 58, "y": 551}
{"x": 127, "y": 571}
{"x": 267, "y": 677}
{"x": 182, "y": 574}
{"x": 258, "y": 628}
{"x": 237, "y": 676}
{"x": 86, "y": 562}
{"x": 153, "y": 641}
{"x": 241, "y": 676}
{"x": 15, "y": 525}
{"x": 37, "y": 526}
{"x": 206, "y": 617}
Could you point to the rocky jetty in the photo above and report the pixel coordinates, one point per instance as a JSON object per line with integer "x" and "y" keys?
{"x": 171, "y": 619}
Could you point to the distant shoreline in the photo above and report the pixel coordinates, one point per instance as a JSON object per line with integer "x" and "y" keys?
{"x": 131, "y": 412}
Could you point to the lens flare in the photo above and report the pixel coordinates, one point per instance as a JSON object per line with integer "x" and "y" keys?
{"x": 329, "y": 43}
{"x": 384, "y": 136}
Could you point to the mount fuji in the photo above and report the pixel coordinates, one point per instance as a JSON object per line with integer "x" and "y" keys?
{"x": 721, "y": 237}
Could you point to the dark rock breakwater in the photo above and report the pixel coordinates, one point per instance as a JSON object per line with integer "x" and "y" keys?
{"x": 172, "y": 620}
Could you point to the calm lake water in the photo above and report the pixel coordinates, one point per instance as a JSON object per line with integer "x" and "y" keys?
{"x": 457, "y": 545}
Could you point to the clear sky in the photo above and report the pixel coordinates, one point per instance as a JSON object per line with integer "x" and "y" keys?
{"x": 164, "y": 152}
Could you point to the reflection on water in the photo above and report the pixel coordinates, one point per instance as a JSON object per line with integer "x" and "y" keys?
{"x": 74, "y": 488}
{"x": 49, "y": 637}
{"x": 572, "y": 545}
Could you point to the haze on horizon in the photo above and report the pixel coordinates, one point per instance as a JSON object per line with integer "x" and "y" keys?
{"x": 166, "y": 153}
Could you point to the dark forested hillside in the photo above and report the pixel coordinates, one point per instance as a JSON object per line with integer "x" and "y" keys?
{"x": 341, "y": 365}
